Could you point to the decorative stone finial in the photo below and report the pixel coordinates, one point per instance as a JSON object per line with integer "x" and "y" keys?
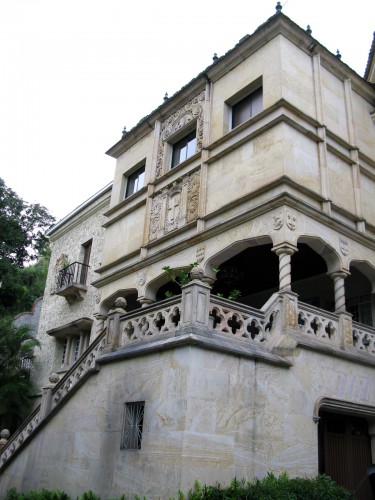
{"x": 308, "y": 30}
{"x": 338, "y": 55}
{"x": 215, "y": 58}
{"x": 124, "y": 132}
{"x": 4, "y": 434}
{"x": 165, "y": 98}
{"x": 278, "y": 7}
{"x": 54, "y": 378}
{"x": 197, "y": 273}
{"x": 120, "y": 303}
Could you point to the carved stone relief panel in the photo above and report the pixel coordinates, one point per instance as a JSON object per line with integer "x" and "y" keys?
{"x": 193, "y": 110}
{"x": 175, "y": 205}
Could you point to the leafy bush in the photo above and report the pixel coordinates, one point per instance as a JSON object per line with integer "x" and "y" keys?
{"x": 272, "y": 487}
{"x": 269, "y": 488}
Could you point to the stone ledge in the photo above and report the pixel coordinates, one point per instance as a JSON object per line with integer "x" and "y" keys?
{"x": 193, "y": 336}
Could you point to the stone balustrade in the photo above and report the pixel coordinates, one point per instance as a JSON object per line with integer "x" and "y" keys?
{"x": 160, "y": 318}
{"x": 53, "y": 395}
{"x": 364, "y": 338}
{"x": 230, "y": 319}
{"x": 278, "y": 327}
{"x": 319, "y": 325}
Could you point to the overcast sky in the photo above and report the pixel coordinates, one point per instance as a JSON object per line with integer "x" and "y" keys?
{"x": 74, "y": 72}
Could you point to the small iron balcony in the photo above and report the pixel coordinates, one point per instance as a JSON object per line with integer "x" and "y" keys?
{"x": 71, "y": 281}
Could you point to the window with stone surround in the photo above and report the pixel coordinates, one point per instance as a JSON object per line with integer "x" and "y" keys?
{"x": 247, "y": 107}
{"x": 245, "y": 104}
{"x": 135, "y": 181}
{"x": 132, "y": 427}
{"x": 184, "y": 148}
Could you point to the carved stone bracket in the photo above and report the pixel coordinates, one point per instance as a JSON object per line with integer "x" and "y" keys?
{"x": 191, "y": 111}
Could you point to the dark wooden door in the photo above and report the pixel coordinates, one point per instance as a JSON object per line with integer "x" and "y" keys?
{"x": 345, "y": 452}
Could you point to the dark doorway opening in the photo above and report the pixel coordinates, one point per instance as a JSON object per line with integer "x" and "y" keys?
{"x": 345, "y": 452}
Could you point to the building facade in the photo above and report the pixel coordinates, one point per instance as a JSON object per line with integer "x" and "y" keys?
{"x": 259, "y": 176}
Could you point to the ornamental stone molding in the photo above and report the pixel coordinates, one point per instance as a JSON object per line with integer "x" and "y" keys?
{"x": 191, "y": 111}
{"x": 344, "y": 246}
{"x": 175, "y": 206}
{"x": 200, "y": 254}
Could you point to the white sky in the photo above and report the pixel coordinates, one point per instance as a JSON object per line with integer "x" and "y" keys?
{"x": 74, "y": 72}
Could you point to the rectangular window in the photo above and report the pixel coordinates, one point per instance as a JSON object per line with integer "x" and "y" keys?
{"x": 76, "y": 349}
{"x": 65, "y": 352}
{"x": 132, "y": 426}
{"x": 86, "y": 248}
{"x": 135, "y": 181}
{"x": 247, "y": 107}
{"x": 184, "y": 148}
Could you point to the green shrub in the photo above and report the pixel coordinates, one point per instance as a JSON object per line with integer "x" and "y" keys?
{"x": 272, "y": 487}
{"x": 268, "y": 488}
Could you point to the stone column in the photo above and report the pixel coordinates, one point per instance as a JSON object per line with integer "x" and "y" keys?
{"x": 339, "y": 278}
{"x": 195, "y": 302}
{"x": 285, "y": 251}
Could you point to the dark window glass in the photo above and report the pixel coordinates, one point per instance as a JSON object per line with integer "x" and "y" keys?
{"x": 135, "y": 182}
{"x": 250, "y": 106}
{"x": 183, "y": 149}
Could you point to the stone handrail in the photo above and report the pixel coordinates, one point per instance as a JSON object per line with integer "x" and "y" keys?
{"x": 159, "y": 318}
{"x": 53, "y": 395}
{"x": 364, "y": 338}
{"x": 320, "y": 325}
{"x": 241, "y": 322}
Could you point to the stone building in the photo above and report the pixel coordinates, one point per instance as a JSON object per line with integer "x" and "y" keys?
{"x": 259, "y": 174}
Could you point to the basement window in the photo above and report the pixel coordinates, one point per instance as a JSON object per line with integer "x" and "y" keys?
{"x": 132, "y": 428}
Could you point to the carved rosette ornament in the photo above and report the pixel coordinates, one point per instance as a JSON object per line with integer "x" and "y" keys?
{"x": 191, "y": 111}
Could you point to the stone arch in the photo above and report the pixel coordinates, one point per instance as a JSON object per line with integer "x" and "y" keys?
{"x": 330, "y": 256}
{"x": 311, "y": 268}
{"x": 248, "y": 267}
{"x": 230, "y": 251}
{"x": 359, "y": 291}
{"x": 130, "y": 294}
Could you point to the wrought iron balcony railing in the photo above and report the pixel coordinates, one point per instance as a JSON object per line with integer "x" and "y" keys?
{"x": 71, "y": 281}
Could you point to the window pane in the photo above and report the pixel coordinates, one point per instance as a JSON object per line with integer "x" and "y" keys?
{"x": 135, "y": 182}
{"x": 247, "y": 107}
{"x": 183, "y": 149}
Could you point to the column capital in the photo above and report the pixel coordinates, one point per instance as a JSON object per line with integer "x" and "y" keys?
{"x": 285, "y": 248}
{"x": 341, "y": 273}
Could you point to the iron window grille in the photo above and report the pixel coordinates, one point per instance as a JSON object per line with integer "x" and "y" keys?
{"x": 132, "y": 426}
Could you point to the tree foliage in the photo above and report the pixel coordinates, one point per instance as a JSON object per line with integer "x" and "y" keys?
{"x": 16, "y": 352}
{"x": 22, "y": 241}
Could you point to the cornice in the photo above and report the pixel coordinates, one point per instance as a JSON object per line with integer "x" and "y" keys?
{"x": 283, "y": 199}
{"x": 279, "y": 24}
